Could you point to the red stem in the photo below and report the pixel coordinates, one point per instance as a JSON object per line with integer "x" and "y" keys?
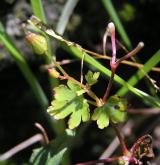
{"x": 111, "y": 29}
{"x": 132, "y": 53}
{"x": 113, "y": 48}
{"x": 124, "y": 149}
{"x": 106, "y": 94}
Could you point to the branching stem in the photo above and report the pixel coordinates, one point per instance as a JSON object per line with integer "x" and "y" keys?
{"x": 131, "y": 54}
{"x": 111, "y": 31}
{"x": 114, "y": 63}
{"x": 66, "y": 76}
{"x": 89, "y": 92}
{"x": 126, "y": 62}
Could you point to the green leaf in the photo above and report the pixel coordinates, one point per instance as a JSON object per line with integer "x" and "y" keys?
{"x": 53, "y": 152}
{"x": 46, "y": 156}
{"x": 63, "y": 93}
{"x": 116, "y": 107}
{"x": 91, "y": 77}
{"x": 100, "y": 114}
{"x": 77, "y": 51}
{"x": 113, "y": 110}
{"x": 85, "y": 114}
{"x": 69, "y": 100}
{"x": 57, "y": 158}
{"x": 73, "y": 86}
{"x": 75, "y": 119}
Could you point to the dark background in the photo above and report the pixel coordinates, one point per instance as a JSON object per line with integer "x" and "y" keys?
{"x": 18, "y": 107}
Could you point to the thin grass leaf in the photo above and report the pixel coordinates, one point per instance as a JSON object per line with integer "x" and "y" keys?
{"x": 77, "y": 51}
{"x": 144, "y": 96}
{"x": 153, "y": 61}
{"x": 66, "y": 13}
{"x": 23, "y": 66}
{"x": 113, "y": 14}
{"x": 38, "y": 10}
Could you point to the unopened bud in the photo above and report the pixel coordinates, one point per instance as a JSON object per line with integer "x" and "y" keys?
{"x": 38, "y": 43}
{"x": 53, "y": 73}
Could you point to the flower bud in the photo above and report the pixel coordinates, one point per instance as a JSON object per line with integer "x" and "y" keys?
{"x": 53, "y": 73}
{"x": 38, "y": 43}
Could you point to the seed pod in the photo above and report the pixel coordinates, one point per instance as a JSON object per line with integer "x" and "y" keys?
{"x": 37, "y": 42}
{"x": 53, "y": 73}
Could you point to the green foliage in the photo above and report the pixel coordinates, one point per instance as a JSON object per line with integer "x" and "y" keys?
{"x": 153, "y": 61}
{"x": 113, "y": 110}
{"x": 69, "y": 100}
{"x": 91, "y": 77}
{"x": 53, "y": 152}
{"x": 3, "y": 163}
{"x": 101, "y": 115}
{"x": 127, "y": 13}
{"x": 117, "y": 106}
{"x": 44, "y": 156}
{"x": 38, "y": 9}
{"x": 24, "y": 68}
{"x": 76, "y": 50}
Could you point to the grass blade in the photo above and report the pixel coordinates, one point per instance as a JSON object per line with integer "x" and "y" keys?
{"x": 113, "y": 14}
{"x": 153, "y": 61}
{"x": 147, "y": 98}
{"x": 66, "y": 13}
{"x": 38, "y": 10}
{"x": 77, "y": 51}
{"x": 23, "y": 66}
